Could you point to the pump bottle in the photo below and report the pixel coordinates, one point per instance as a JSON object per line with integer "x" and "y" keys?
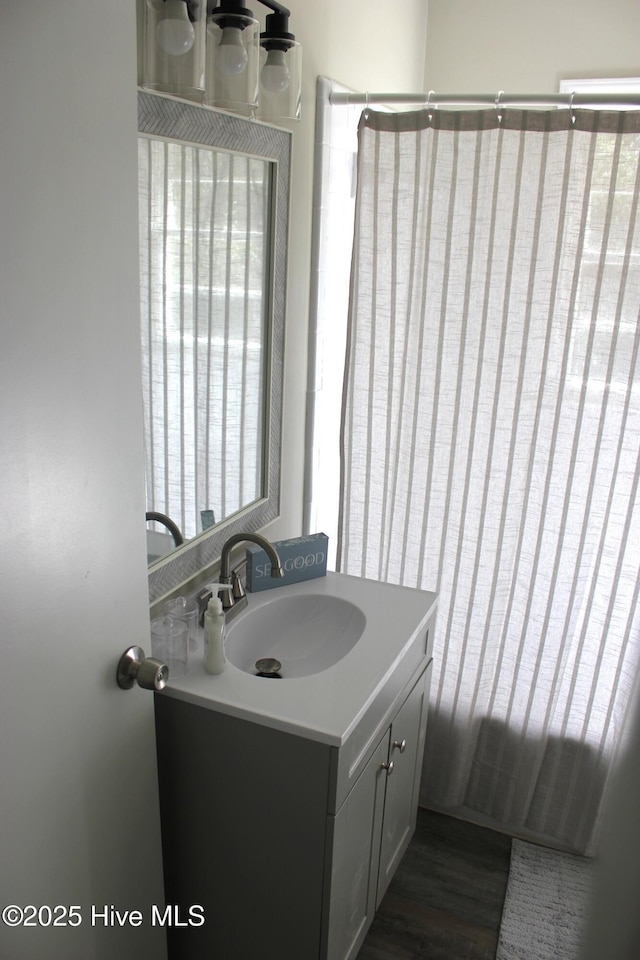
{"x": 214, "y": 633}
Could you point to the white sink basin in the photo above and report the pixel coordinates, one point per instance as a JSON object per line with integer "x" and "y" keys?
{"x": 306, "y": 633}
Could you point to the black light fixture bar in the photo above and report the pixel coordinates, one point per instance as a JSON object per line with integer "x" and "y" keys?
{"x": 276, "y": 36}
{"x": 276, "y": 7}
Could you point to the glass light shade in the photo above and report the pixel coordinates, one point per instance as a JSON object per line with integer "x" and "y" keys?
{"x": 174, "y": 47}
{"x": 280, "y": 83}
{"x": 232, "y": 57}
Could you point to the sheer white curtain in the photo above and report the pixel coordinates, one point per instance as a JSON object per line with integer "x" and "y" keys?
{"x": 204, "y": 283}
{"x": 491, "y": 429}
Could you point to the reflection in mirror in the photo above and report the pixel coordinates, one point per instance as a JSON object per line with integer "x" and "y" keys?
{"x": 204, "y": 284}
{"x": 213, "y": 192}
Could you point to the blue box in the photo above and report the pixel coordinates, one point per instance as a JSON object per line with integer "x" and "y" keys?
{"x": 302, "y": 558}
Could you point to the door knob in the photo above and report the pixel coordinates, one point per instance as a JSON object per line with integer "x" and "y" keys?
{"x": 134, "y": 667}
{"x": 400, "y": 745}
{"x": 388, "y": 767}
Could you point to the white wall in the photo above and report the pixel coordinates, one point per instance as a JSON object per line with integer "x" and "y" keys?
{"x": 520, "y": 46}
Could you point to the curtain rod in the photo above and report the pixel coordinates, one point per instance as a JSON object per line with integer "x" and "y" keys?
{"x": 501, "y": 99}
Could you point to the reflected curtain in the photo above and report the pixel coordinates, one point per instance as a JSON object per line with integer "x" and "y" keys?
{"x": 490, "y": 442}
{"x": 203, "y": 283}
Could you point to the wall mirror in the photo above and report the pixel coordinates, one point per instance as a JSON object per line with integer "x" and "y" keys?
{"x": 213, "y": 212}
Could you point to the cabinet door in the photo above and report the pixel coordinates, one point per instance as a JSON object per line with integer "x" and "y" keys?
{"x": 355, "y": 855}
{"x": 406, "y": 750}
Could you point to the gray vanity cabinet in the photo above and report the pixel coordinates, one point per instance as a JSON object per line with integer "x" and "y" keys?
{"x": 354, "y": 852}
{"x": 371, "y": 830}
{"x": 406, "y": 748}
{"x": 286, "y": 842}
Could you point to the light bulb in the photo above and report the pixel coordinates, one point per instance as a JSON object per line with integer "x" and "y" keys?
{"x": 175, "y": 33}
{"x": 231, "y": 56}
{"x": 275, "y": 75}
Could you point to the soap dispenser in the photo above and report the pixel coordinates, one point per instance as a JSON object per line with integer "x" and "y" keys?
{"x": 214, "y": 631}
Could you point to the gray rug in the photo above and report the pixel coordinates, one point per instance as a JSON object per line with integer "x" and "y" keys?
{"x": 546, "y": 904}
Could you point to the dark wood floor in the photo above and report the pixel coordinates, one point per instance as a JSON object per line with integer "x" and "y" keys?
{"x": 445, "y": 901}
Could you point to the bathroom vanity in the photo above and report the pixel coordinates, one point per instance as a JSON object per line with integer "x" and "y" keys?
{"x": 287, "y": 803}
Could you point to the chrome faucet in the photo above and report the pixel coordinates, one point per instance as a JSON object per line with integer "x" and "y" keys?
{"x": 234, "y": 600}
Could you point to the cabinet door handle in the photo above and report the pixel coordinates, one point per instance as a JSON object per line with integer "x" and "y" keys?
{"x": 388, "y": 767}
{"x": 401, "y": 745}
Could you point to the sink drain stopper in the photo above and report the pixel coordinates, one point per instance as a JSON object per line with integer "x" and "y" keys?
{"x": 268, "y": 667}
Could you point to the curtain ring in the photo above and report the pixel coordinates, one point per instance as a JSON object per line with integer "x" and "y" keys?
{"x": 571, "y": 110}
{"x": 497, "y": 106}
{"x": 427, "y": 105}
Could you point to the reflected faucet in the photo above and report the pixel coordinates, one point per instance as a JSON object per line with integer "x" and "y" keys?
{"x": 234, "y": 600}
{"x": 172, "y": 527}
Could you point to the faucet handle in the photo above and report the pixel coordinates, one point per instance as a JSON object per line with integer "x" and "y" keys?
{"x": 237, "y": 587}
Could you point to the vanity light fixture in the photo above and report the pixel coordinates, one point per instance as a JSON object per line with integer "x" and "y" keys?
{"x": 174, "y": 47}
{"x": 281, "y": 71}
{"x": 213, "y": 51}
{"x": 235, "y": 52}
{"x": 232, "y": 54}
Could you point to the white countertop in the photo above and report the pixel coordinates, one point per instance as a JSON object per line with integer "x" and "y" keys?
{"x": 325, "y": 706}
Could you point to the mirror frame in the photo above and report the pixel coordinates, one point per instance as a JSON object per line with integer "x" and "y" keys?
{"x": 163, "y": 117}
